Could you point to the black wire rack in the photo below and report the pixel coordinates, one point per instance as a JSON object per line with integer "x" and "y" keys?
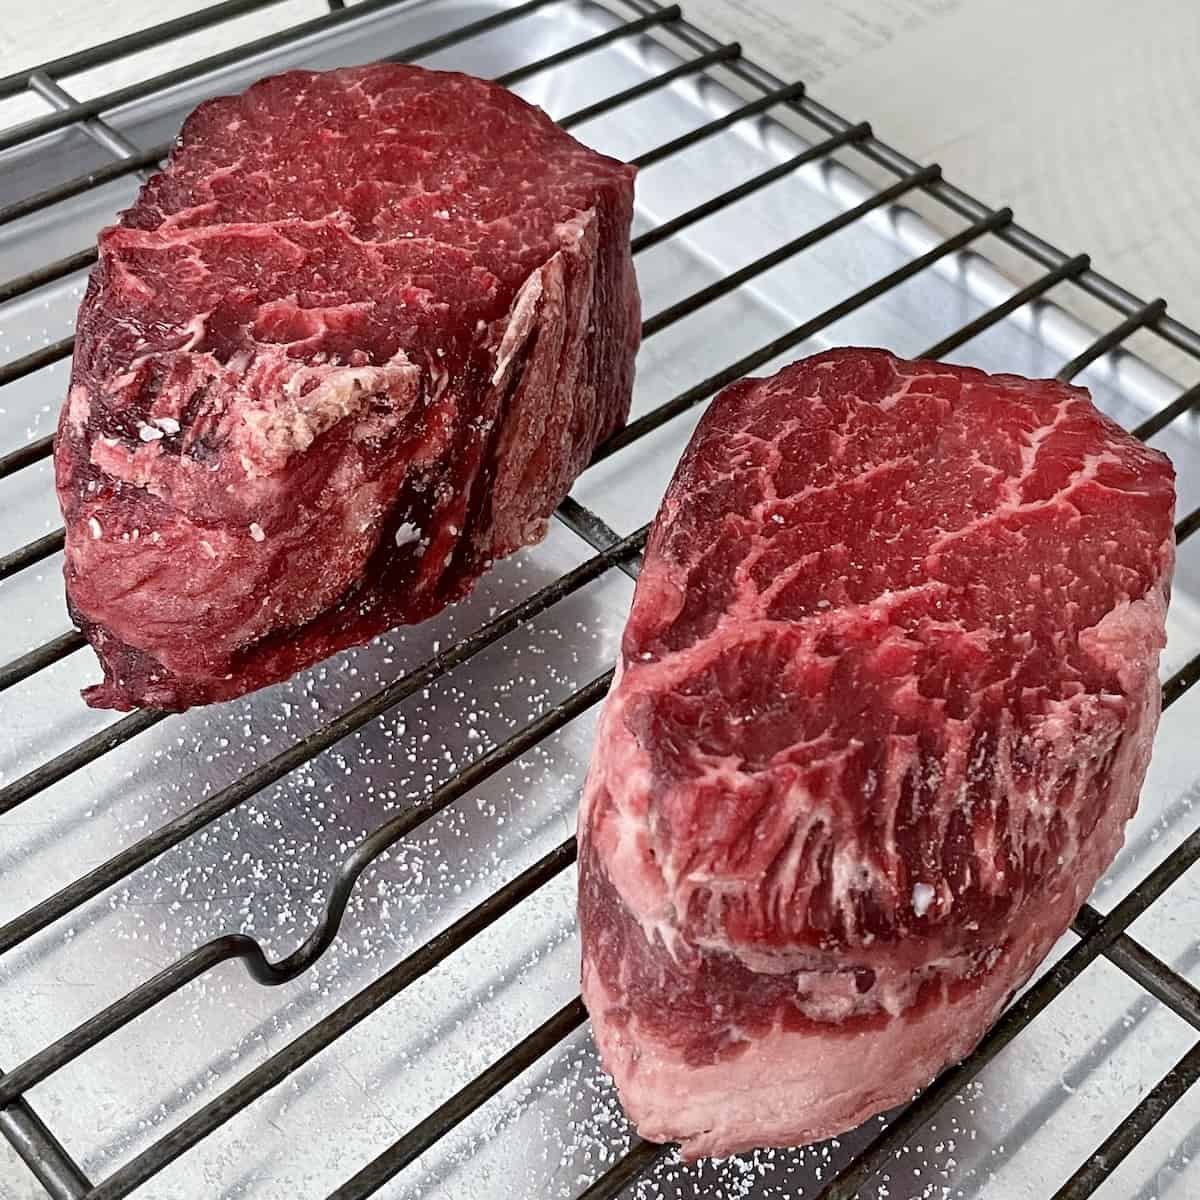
{"x": 1099, "y": 935}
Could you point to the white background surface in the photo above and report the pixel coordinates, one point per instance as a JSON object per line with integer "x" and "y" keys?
{"x": 1083, "y": 115}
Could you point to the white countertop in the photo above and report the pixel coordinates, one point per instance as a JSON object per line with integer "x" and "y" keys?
{"x": 1083, "y": 115}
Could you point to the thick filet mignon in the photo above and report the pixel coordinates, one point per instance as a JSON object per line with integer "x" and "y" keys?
{"x": 351, "y": 345}
{"x": 884, "y": 704}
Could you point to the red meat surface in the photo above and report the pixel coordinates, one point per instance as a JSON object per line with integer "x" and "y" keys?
{"x": 353, "y": 344}
{"x": 884, "y": 704}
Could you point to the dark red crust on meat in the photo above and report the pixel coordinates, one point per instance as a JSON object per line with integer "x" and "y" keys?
{"x": 884, "y": 704}
{"x": 353, "y": 344}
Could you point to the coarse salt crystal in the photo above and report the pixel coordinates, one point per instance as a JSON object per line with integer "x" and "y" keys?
{"x": 407, "y": 533}
{"x": 922, "y": 898}
{"x": 94, "y": 526}
{"x": 148, "y": 433}
{"x": 256, "y": 531}
{"x": 167, "y": 424}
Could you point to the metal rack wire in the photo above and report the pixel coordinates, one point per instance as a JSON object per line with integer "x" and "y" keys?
{"x": 1099, "y": 935}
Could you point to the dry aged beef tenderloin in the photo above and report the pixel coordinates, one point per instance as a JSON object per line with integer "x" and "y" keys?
{"x": 884, "y": 704}
{"x": 351, "y": 345}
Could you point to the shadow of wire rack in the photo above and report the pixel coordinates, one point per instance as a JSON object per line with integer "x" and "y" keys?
{"x": 399, "y": 819}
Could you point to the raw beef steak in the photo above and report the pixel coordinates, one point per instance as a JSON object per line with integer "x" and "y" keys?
{"x": 884, "y": 704}
{"x": 351, "y": 345}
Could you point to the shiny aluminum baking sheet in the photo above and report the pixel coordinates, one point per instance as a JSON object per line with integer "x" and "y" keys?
{"x": 1035, "y": 1112}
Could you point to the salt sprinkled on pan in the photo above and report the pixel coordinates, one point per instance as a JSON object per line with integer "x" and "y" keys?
{"x": 256, "y": 531}
{"x": 407, "y": 533}
{"x": 922, "y": 898}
